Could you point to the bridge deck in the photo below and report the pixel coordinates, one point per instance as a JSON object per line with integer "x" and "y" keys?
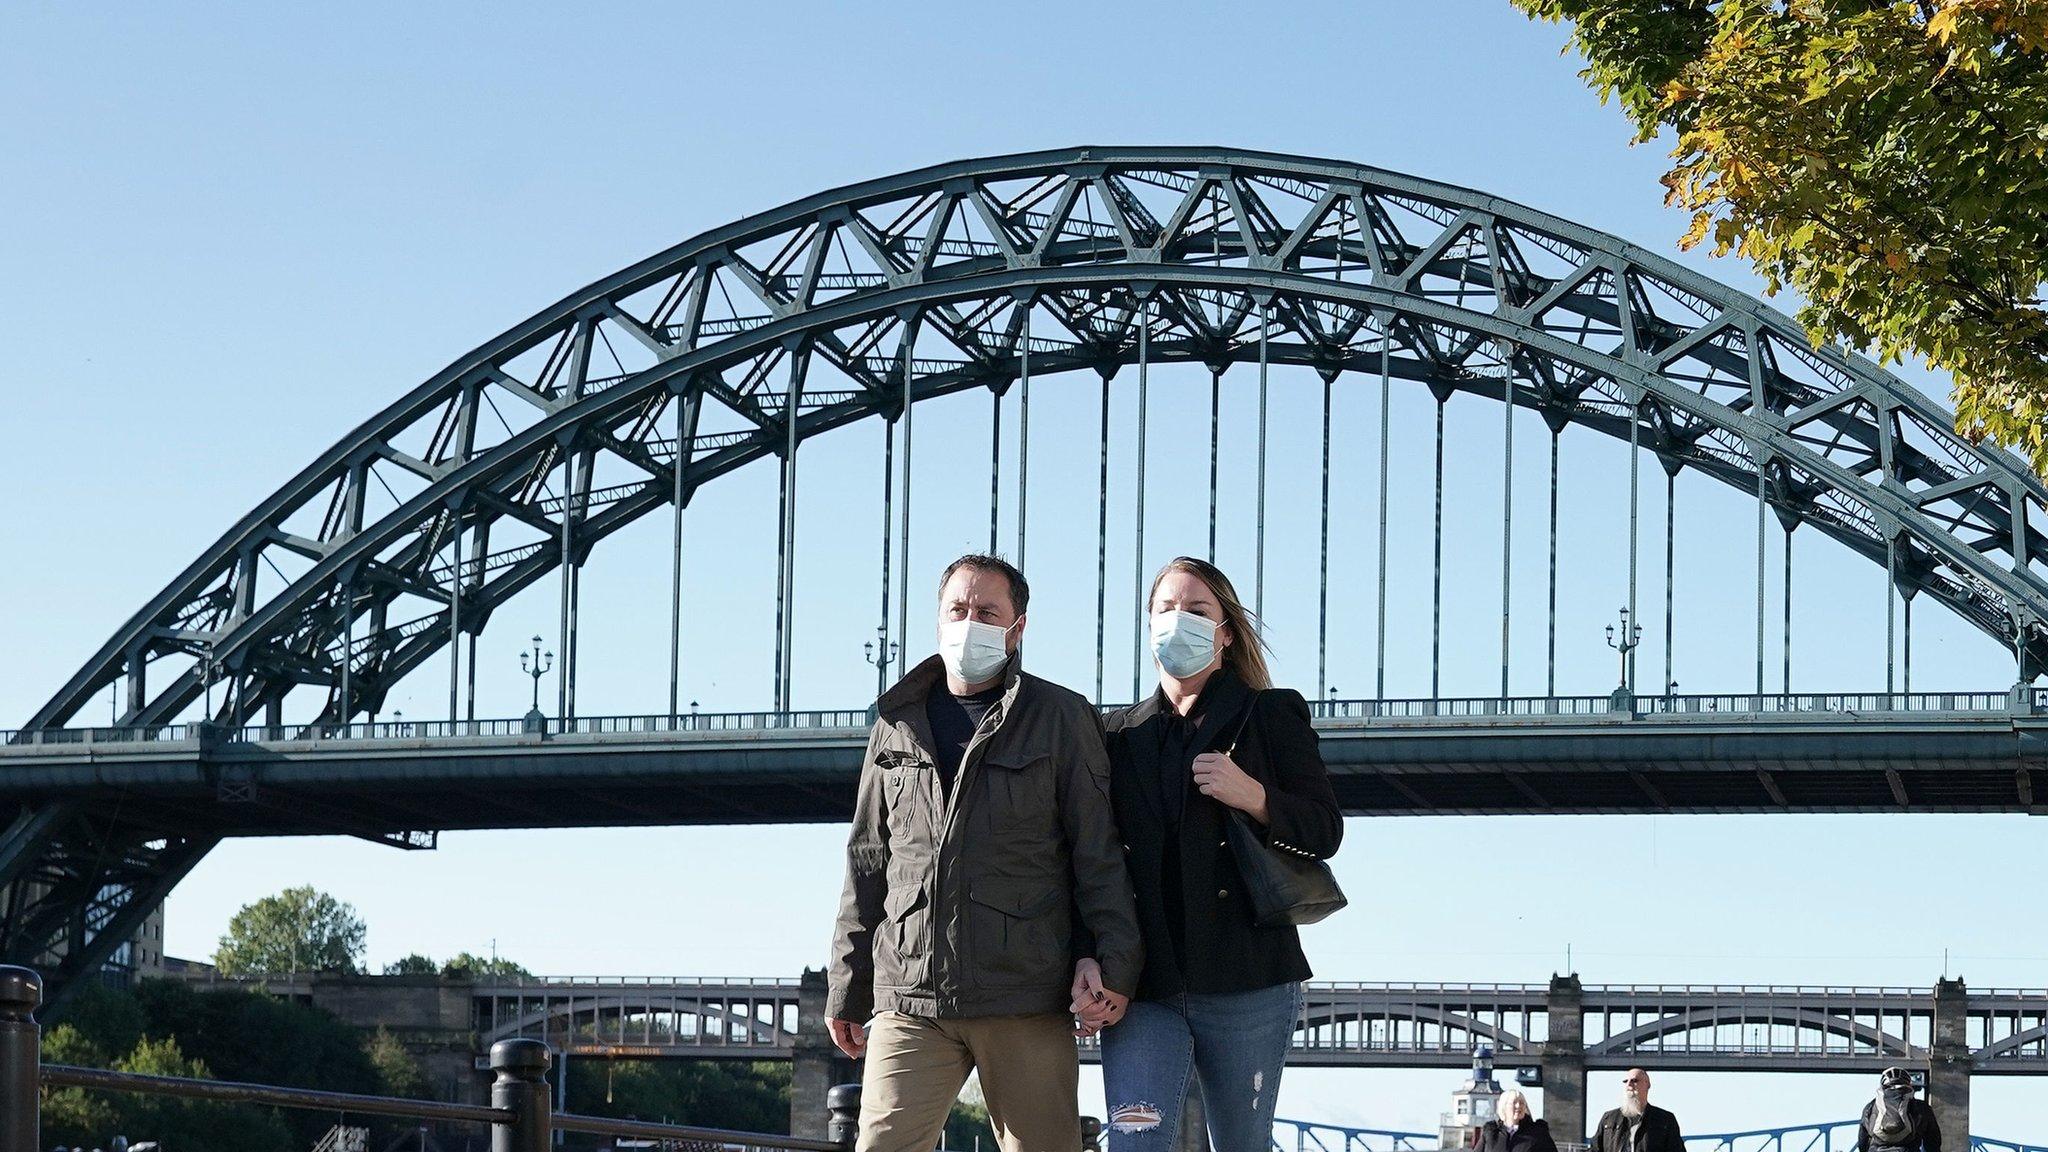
{"x": 1930, "y": 752}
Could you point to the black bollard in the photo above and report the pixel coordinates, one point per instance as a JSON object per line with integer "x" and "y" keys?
{"x": 521, "y": 1087}
{"x": 1091, "y": 1134}
{"x": 21, "y": 1059}
{"x": 843, "y": 1102}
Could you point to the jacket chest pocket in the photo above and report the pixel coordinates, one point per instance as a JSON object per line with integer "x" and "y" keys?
{"x": 1020, "y": 793}
{"x": 904, "y": 781}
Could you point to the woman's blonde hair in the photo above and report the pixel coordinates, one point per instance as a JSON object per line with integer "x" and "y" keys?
{"x": 1510, "y": 1096}
{"x": 1246, "y": 654}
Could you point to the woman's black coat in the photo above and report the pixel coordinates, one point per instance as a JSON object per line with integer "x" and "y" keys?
{"x": 1530, "y": 1136}
{"x": 1227, "y": 951}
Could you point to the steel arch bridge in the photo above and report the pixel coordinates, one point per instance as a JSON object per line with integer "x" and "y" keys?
{"x": 980, "y": 274}
{"x": 627, "y": 396}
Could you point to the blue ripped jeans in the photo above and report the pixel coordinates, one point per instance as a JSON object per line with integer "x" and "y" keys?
{"x": 1236, "y": 1042}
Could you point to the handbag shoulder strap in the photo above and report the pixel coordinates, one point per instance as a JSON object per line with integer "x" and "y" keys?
{"x": 1244, "y": 721}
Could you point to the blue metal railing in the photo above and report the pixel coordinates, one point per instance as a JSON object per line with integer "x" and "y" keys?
{"x": 1308, "y": 1136}
{"x": 1831, "y": 1136}
{"x": 1470, "y": 707}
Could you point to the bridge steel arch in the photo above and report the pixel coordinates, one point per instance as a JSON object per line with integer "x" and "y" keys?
{"x": 737, "y": 345}
{"x": 1216, "y": 254}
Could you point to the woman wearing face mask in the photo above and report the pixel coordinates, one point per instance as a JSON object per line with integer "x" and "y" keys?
{"x": 1219, "y": 995}
{"x": 1895, "y": 1121}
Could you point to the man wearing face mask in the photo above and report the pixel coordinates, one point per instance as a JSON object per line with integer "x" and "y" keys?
{"x": 1638, "y": 1125}
{"x": 1895, "y": 1121}
{"x": 986, "y": 904}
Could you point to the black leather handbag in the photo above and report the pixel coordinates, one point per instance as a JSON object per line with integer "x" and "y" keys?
{"x": 1285, "y": 888}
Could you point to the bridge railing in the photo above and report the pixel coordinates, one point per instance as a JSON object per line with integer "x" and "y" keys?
{"x": 1833, "y": 1136}
{"x": 113, "y": 734}
{"x": 840, "y": 719}
{"x": 520, "y": 1114}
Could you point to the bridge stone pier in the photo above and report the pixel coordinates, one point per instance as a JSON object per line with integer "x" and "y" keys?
{"x": 816, "y": 1064}
{"x": 1564, "y": 1060}
{"x": 1949, "y": 1059}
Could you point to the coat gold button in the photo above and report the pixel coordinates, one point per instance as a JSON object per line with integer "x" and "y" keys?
{"x": 1222, "y": 893}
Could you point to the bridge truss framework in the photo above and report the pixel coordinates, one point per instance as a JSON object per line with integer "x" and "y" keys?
{"x": 624, "y": 398}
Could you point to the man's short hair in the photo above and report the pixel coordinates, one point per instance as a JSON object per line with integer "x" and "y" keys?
{"x": 1020, "y": 589}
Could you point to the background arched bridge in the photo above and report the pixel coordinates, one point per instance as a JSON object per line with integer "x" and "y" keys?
{"x": 1553, "y": 1034}
{"x": 1726, "y": 1028}
{"x": 248, "y": 692}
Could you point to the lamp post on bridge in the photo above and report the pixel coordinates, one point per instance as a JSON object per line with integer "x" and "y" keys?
{"x": 881, "y": 652}
{"x": 536, "y": 664}
{"x": 1630, "y": 639}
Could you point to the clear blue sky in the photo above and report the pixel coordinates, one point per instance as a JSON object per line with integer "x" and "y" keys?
{"x": 229, "y": 234}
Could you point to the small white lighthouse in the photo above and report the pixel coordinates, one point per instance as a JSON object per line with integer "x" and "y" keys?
{"x": 1476, "y": 1101}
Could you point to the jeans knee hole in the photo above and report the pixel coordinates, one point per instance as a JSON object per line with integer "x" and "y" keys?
{"x": 1134, "y": 1118}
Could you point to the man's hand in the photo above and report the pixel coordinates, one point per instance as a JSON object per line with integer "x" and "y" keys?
{"x": 851, "y": 1038}
{"x": 1094, "y": 1006}
{"x": 1218, "y": 777}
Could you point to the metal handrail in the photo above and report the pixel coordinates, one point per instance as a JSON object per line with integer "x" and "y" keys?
{"x": 313, "y": 1099}
{"x": 605, "y": 1126}
{"x": 1701, "y": 704}
{"x": 235, "y": 1092}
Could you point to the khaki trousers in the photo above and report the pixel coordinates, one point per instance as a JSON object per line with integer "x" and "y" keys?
{"x": 1030, "y": 1074}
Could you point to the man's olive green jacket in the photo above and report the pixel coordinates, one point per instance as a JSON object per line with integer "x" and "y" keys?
{"x": 980, "y": 906}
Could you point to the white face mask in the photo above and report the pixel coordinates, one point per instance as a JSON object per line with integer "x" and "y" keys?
{"x": 1183, "y": 643}
{"x": 973, "y": 651}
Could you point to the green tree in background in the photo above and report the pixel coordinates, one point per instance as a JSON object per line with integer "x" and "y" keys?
{"x": 398, "y": 1071}
{"x": 750, "y": 1097}
{"x": 462, "y": 965}
{"x": 1887, "y": 160}
{"x": 75, "y": 1117}
{"x": 72, "y": 1116}
{"x": 171, "y": 1029}
{"x": 297, "y": 930}
{"x": 969, "y": 1120}
{"x": 195, "y": 1124}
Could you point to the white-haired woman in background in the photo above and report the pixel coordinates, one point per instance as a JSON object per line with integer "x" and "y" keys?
{"x": 1514, "y": 1129}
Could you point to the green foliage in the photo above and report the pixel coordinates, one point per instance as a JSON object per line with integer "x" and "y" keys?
{"x": 466, "y": 966}
{"x": 413, "y": 964}
{"x": 297, "y": 930}
{"x": 398, "y": 1072}
{"x": 1887, "y": 160}
{"x": 75, "y": 1117}
{"x": 108, "y": 1020}
{"x": 968, "y": 1120}
{"x": 711, "y": 1093}
{"x": 262, "y": 1039}
{"x": 177, "y": 1123}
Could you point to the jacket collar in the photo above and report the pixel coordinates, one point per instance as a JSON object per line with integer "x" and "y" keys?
{"x": 1222, "y": 698}
{"x": 904, "y": 701}
{"x": 1222, "y": 705}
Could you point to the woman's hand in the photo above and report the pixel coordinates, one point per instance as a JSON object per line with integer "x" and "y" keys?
{"x": 1094, "y": 1006}
{"x": 1219, "y": 778}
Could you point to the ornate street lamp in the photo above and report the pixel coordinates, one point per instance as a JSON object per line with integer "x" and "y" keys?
{"x": 1631, "y": 638}
{"x": 536, "y": 664}
{"x": 881, "y": 652}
